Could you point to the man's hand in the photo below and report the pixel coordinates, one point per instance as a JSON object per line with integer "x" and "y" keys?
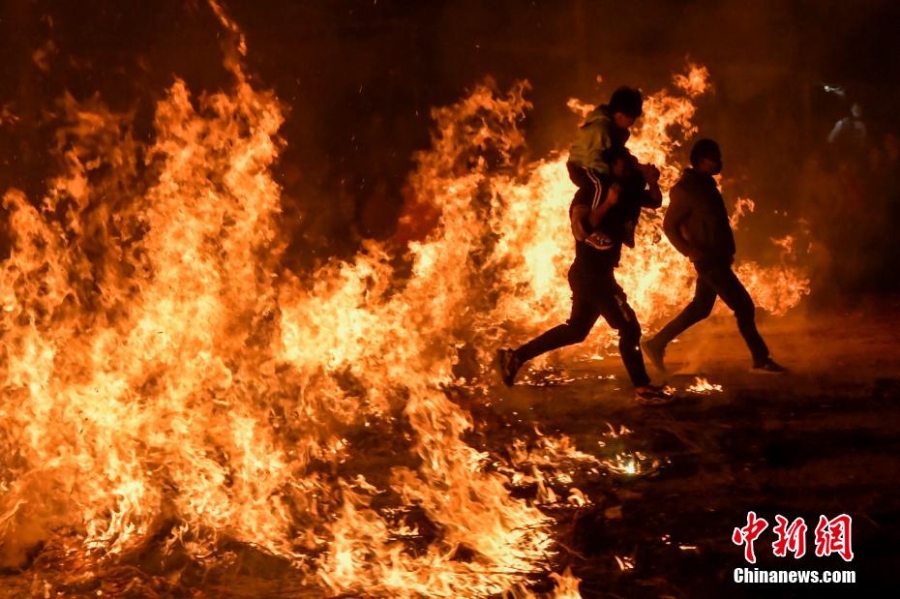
{"x": 599, "y": 241}
{"x": 650, "y": 173}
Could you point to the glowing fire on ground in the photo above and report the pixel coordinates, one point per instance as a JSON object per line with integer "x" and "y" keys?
{"x": 703, "y": 387}
{"x": 164, "y": 377}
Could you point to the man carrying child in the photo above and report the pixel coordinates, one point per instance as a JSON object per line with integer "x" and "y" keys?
{"x": 612, "y": 189}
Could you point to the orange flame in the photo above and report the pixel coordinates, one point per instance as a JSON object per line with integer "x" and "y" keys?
{"x": 703, "y": 387}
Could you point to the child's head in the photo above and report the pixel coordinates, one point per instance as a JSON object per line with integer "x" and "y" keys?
{"x": 625, "y": 106}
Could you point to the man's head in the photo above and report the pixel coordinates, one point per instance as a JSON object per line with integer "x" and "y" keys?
{"x": 625, "y": 106}
{"x": 706, "y": 157}
{"x": 621, "y": 162}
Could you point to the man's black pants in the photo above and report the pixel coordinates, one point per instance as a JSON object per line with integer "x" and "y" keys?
{"x": 719, "y": 281}
{"x": 593, "y": 296}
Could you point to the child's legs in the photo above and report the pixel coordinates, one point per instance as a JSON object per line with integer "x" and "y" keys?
{"x": 588, "y": 182}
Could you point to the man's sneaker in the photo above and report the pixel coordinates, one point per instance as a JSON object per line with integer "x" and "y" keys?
{"x": 599, "y": 241}
{"x": 508, "y": 363}
{"x": 769, "y": 366}
{"x": 653, "y": 395}
{"x": 656, "y": 354}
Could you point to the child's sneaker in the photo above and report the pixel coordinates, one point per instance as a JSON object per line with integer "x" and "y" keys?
{"x": 599, "y": 241}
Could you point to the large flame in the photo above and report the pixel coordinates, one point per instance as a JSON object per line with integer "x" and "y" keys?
{"x": 163, "y": 375}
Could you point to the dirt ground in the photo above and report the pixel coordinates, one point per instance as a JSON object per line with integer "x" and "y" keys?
{"x": 821, "y": 440}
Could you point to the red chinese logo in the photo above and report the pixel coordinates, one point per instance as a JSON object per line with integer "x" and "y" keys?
{"x": 833, "y": 536}
{"x": 791, "y": 538}
{"x": 748, "y": 534}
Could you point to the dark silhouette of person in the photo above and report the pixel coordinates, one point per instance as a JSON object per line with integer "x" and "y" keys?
{"x": 850, "y": 134}
{"x": 595, "y": 291}
{"x": 697, "y": 224}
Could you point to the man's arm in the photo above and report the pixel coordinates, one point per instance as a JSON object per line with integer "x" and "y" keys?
{"x": 612, "y": 198}
{"x": 678, "y": 212}
{"x": 652, "y": 197}
{"x": 585, "y": 221}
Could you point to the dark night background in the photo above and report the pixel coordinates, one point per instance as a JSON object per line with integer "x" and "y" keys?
{"x": 359, "y": 77}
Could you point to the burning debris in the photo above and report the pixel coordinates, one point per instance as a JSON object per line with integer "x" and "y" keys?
{"x": 702, "y": 386}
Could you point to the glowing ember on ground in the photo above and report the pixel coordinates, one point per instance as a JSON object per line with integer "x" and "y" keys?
{"x": 554, "y": 461}
{"x": 625, "y": 563}
{"x": 632, "y": 464}
{"x": 702, "y": 386}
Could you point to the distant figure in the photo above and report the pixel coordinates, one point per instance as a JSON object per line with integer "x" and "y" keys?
{"x": 850, "y": 134}
{"x": 697, "y": 225}
{"x": 595, "y": 291}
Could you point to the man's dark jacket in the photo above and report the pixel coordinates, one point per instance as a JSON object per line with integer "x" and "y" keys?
{"x": 696, "y": 221}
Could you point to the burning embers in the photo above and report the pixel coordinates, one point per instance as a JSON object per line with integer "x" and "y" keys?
{"x": 702, "y": 386}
